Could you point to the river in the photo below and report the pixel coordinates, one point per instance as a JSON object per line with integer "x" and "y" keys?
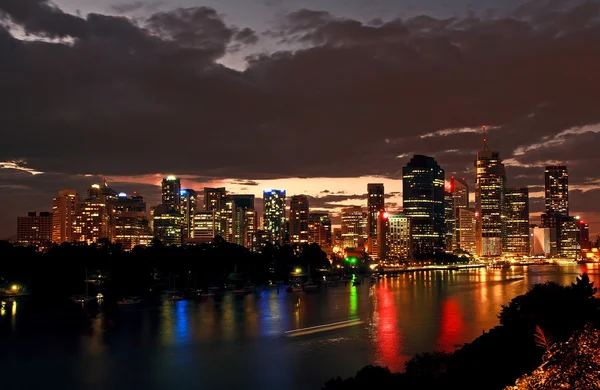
{"x": 238, "y": 342}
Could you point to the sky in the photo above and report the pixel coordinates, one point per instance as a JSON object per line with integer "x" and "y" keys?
{"x": 315, "y": 97}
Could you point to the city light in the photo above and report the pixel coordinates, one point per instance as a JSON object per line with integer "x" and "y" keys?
{"x": 171, "y": 178}
{"x": 122, "y": 195}
{"x": 14, "y": 287}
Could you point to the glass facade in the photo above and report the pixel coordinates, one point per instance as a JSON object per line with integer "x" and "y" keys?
{"x": 274, "y": 215}
{"x": 490, "y": 186}
{"x": 517, "y": 222}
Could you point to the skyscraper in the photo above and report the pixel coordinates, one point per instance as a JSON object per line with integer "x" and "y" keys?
{"x": 460, "y": 200}
{"x": 214, "y": 198}
{"x": 467, "y": 233}
{"x": 167, "y": 224}
{"x": 63, "y": 216}
{"x": 93, "y": 220}
{"x": 584, "y": 235}
{"x": 517, "y": 222}
{"x": 557, "y": 190}
{"x": 35, "y": 229}
{"x": 423, "y": 202}
{"x": 188, "y": 208}
{"x": 319, "y": 230}
{"x": 375, "y": 205}
{"x": 205, "y": 224}
{"x": 490, "y": 184}
{"x": 241, "y": 218}
{"x": 171, "y": 193}
{"x": 449, "y": 221}
{"x": 397, "y": 240}
{"x": 274, "y": 214}
{"x": 131, "y": 227}
{"x": 569, "y": 237}
{"x": 352, "y": 230}
{"x": 299, "y": 219}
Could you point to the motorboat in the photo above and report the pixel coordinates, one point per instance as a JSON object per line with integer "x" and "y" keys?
{"x": 129, "y": 301}
{"x": 81, "y": 299}
{"x": 176, "y": 297}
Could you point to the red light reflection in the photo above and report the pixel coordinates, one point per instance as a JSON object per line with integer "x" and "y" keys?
{"x": 451, "y": 325}
{"x": 388, "y": 340}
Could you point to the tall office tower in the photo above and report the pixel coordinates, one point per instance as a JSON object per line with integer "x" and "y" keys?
{"x": 240, "y": 218}
{"x": 167, "y": 224}
{"x": 557, "y": 190}
{"x": 131, "y": 227}
{"x": 171, "y": 193}
{"x": 299, "y": 219}
{"x": 188, "y": 208}
{"x": 569, "y": 238}
{"x": 92, "y": 220}
{"x": 319, "y": 230}
{"x": 375, "y": 205}
{"x": 63, "y": 216}
{"x": 94, "y": 191}
{"x": 352, "y": 229}
{"x": 274, "y": 215}
{"x": 449, "y": 221}
{"x": 35, "y": 229}
{"x": 460, "y": 200}
{"x": 517, "y": 222}
{"x": 397, "y": 237}
{"x": 542, "y": 238}
{"x": 214, "y": 198}
{"x": 490, "y": 184}
{"x": 205, "y": 226}
{"x": 260, "y": 239}
{"x": 467, "y": 233}
{"x": 423, "y": 202}
{"x": 584, "y": 235}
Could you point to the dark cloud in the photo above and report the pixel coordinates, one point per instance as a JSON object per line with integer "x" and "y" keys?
{"x": 116, "y": 97}
{"x": 245, "y": 182}
{"x": 128, "y": 7}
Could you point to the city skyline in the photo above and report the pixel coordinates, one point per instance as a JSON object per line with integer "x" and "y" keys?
{"x": 111, "y": 124}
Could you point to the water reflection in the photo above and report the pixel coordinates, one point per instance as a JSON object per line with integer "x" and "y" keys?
{"x": 353, "y": 307}
{"x": 387, "y": 338}
{"x": 451, "y": 325}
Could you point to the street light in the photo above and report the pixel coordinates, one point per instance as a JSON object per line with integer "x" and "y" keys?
{"x": 14, "y": 287}
{"x": 298, "y": 270}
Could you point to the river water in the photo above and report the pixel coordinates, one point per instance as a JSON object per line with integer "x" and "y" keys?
{"x": 238, "y": 342}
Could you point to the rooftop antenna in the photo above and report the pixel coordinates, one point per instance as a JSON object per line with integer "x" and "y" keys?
{"x": 105, "y": 183}
{"x": 484, "y": 136}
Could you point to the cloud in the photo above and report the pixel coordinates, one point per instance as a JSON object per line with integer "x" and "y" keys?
{"x": 338, "y": 98}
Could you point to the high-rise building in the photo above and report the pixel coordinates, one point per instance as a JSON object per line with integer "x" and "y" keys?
{"x": 423, "y": 202}
{"x": 460, "y": 200}
{"x": 319, "y": 230}
{"x": 168, "y": 227}
{"x": 352, "y": 229}
{"x": 569, "y": 238}
{"x": 35, "y": 229}
{"x": 517, "y": 221}
{"x": 92, "y": 220}
{"x": 542, "y": 238}
{"x": 397, "y": 236}
{"x": 260, "y": 239}
{"x": 205, "y": 226}
{"x": 131, "y": 227}
{"x": 299, "y": 219}
{"x": 375, "y": 205}
{"x": 214, "y": 198}
{"x": 274, "y": 215}
{"x": 171, "y": 193}
{"x": 241, "y": 218}
{"x": 584, "y": 235}
{"x": 449, "y": 221}
{"x": 490, "y": 184}
{"x": 188, "y": 199}
{"x": 63, "y": 216}
{"x": 466, "y": 230}
{"x": 557, "y": 190}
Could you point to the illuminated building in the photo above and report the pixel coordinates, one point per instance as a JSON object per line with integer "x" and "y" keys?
{"x": 214, "y": 198}
{"x": 260, "y": 239}
{"x": 171, "y": 193}
{"x": 395, "y": 237}
{"x": 517, "y": 221}
{"x": 423, "y": 202}
{"x": 375, "y": 205}
{"x": 274, "y": 215}
{"x": 460, "y": 200}
{"x": 63, "y": 216}
{"x": 93, "y": 219}
{"x": 35, "y": 229}
{"x": 205, "y": 226}
{"x": 557, "y": 190}
{"x": 240, "y": 218}
{"x": 188, "y": 201}
{"x": 490, "y": 184}
{"x": 542, "y": 238}
{"x": 569, "y": 237}
{"x": 94, "y": 191}
{"x": 319, "y": 230}
{"x": 449, "y": 221}
{"x": 131, "y": 227}
{"x": 299, "y": 219}
{"x": 352, "y": 227}
{"x": 584, "y": 235}
{"x": 466, "y": 227}
{"x": 167, "y": 224}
